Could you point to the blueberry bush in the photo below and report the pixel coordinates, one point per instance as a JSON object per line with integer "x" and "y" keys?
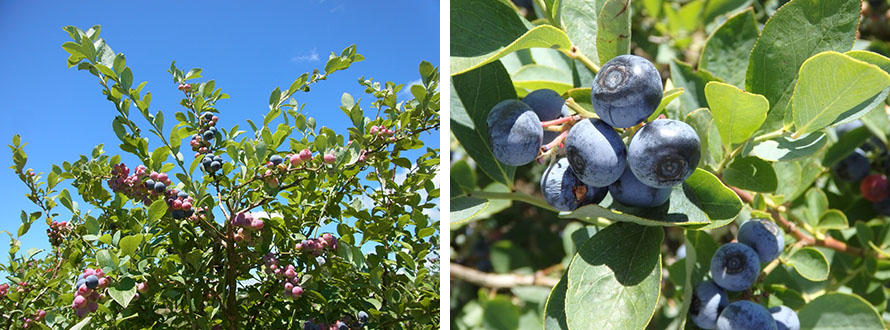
{"x": 224, "y": 233}
{"x": 670, "y": 164}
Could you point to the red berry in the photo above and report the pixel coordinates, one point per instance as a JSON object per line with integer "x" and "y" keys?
{"x": 874, "y": 188}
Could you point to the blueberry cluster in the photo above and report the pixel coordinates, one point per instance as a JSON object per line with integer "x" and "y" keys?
{"x": 245, "y": 220}
{"x": 317, "y": 246}
{"x": 292, "y": 288}
{"x": 181, "y": 204}
{"x": 201, "y": 142}
{"x": 57, "y": 232}
{"x": 735, "y": 267}
{"x": 38, "y": 315}
{"x": 868, "y": 166}
{"x": 212, "y": 163}
{"x": 87, "y": 291}
{"x": 626, "y": 91}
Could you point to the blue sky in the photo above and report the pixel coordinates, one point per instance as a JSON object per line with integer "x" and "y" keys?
{"x": 248, "y": 49}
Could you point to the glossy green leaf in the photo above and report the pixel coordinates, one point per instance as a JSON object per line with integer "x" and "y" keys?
{"x": 810, "y": 263}
{"x": 839, "y": 311}
{"x": 834, "y": 88}
{"x": 786, "y": 148}
{"x": 534, "y": 76}
{"x": 555, "y": 307}
{"x": 473, "y": 95}
{"x": 738, "y": 113}
{"x": 751, "y": 173}
{"x": 613, "y": 30}
{"x": 123, "y": 291}
{"x": 129, "y": 244}
{"x": 579, "y": 17}
{"x": 619, "y": 267}
{"x": 709, "y": 137}
{"x": 701, "y": 201}
{"x": 727, "y": 50}
{"x": 465, "y": 208}
{"x": 833, "y": 219}
{"x": 476, "y": 42}
{"x": 783, "y": 47}
{"x": 693, "y": 81}
{"x": 157, "y": 210}
{"x": 667, "y": 97}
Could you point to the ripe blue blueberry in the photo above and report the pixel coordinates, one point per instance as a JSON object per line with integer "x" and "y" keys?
{"x": 562, "y": 189}
{"x": 626, "y": 91}
{"x": 218, "y": 159}
{"x": 744, "y": 314}
{"x": 764, "y": 236}
{"x": 149, "y": 184}
{"x": 853, "y": 168}
{"x": 735, "y": 266}
{"x": 342, "y": 325}
{"x": 515, "y": 132}
{"x": 208, "y": 135}
{"x": 628, "y": 190}
{"x": 214, "y": 166}
{"x": 786, "y": 318}
{"x": 708, "y": 300}
{"x": 664, "y": 153}
{"x": 80, "y": 281}
{"x": 207, "y": 116}
{"x": 548, "y": 105}
{"x": 177, "y": 214}
{"x": 869, "y": 145}
{"x": 363, "y": 317}
{"x": 91, "y": 281}
{"x": 276, "y": 159}
{"x": 160, "y": 187}
{"x": 182, "y": 194}
{"x": 595, "y": 152}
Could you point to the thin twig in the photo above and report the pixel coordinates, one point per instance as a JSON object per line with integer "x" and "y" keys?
{"x": 498, "y": 281}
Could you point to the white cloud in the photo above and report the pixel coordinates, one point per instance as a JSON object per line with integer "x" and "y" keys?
{"x": 311, "y": 56}
{"x": 405, "y": 93}
{"x": 339, "y": 7}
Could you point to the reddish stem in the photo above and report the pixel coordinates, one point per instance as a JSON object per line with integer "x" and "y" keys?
{"x": 560, "y": 121}
{"x": 561, "y": 137}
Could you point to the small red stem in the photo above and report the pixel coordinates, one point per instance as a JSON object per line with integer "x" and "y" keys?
{"x": 560, "y": 121}
{"x": 561, "y": 137}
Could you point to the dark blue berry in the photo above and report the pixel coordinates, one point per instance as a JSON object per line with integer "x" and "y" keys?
{"x": 735, "y": 267}
{"x": 177, "y": 214}
{"x": 515, "y": 133}
{"x": 628, "y": 190}
{"x": 744, "y": 314}
{"x": 208, "y": 135}
{"x": 160, "y": 187}
{"x": 150, "y": 184}
{"x": 562, "y": 189}
{"x": 276, "y": 159}
{"x": 708, "y": 300}
{"x": 664, "y": 153}
{"x": 595, "y": 152}
{"x": 786, "y": 318}
{"x": 91, "y": 281}
{"x": 626, "y": 91}
{"x": 853, "y": 168}
{"x": 764, "y": 236}
{"x": 214, "y": 166}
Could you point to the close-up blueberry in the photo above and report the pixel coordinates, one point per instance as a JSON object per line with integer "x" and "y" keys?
{"x": 160, "y": 187}
{"x": 214, "y": 166}
{"x": 363, "y": 317}
{"x": 628, "y": 190}
{"x": 744, "y": 314}
{"x": 207, "y": 116}
{"x": 595, "y": 152}
{"x": 735, "y": 266}
{"x": 276, "y": 159}
{"x": 664, "y": 153}
{"x": 853, "y": 168}
{"x": 149, "y": 184}
{"x": 786, "y": 318}
{"x": 182, "y": 194}
{"x": 708, "y": 300}
{"x": 515, "y": 133}
{"x": 548, "y": 105}
{"x": 208, "y": 135}
{"x": 562, "y": 189}
{"x": 91, "y": 281}
{"x": 764, "y": 236}
{"x": 626, "y": 91}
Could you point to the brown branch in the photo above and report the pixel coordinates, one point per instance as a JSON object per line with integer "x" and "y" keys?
{"x": 791, "y": 228}
{"x": 498, "y": 281}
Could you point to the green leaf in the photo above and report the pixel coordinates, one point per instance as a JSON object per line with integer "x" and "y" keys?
{"x": 613, "y": 30}
{"x": 727, "y": 50}
{"x": 702, "y": 201}
{"x": 711, "y": 148}
{"x": 833, "y": 219}
{"x": 533, "y": 76}
{"x": 878, "y": 123}
{"x": 555, "y": 307}
{"x": 846, "y": 145}
{"x": 579, "y": 18}
{"x": 780, "y": 50}
{"x": 738, "y": 113}
{"x": 810, "y": 263}
{"x": 126, "y": 79}
{"x": 817, "y": 203}
{"x": 476, "y": 42}
{"x": 129, "y": 244}
{"x": 666, "y": 98}
{"x": 500, "y": 314}
{"x": 123, "y": 292}
{"x": 274, "y": 98}
{"x": 751, "y": 173}
{"x": 619, "y": 267}
{"x": 106, "y": 259}
{"x": 82, "y": 323}
{"x": 839, "y": 311}
{"x": 466, "y": 208}
{"x": 786, "y": 148}
{"x": 473, "y": 95}
{"x": 834, "y": 88}
{"x": 158, "y": 157}
{"x": 694, "y": 83}
{"x": 157, "y": 210}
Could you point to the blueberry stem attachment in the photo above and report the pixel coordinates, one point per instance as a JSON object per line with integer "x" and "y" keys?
{"x": 560, "y": 121}
{"x": 517, "y": 196}
{"x": 570, "y": 102}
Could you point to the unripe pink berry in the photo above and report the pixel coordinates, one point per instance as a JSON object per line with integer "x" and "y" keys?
{"x": 215, "y": 118}
{"x": 177, "y": 204}
{"x": 299, "y": 246}
{"x": 374, "y": 129}
{"x": 79, "y": 301}
{"x": 103, "y": 282}
{"x": 305, "y": 155}
{"x": 162, "y": 176}
{"x": 288, "y": 287}
{"x": 290, "y": 273}
{"x": 257, "y": 224}
{"x": 142, "y": 287}
{"x": 186, "y": 206}
{"x": 83, "y": 290}
{"x": 329, "y": 158}
{"x": 297, "y": 291}
{"x": 88, "y": 272}
{"x": 187, "y": 87}
{"x": 41, "y": 314}
{"x": 153, "y": 175}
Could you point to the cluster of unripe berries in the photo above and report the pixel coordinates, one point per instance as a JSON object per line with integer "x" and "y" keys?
{"x": 245, "y": 220}
{"x": 207, "y": 132}
{"x": 317, "y": 246}
{"x": 626, "y": 91}
{"x": 38, "y": 315}
{"x": 132, "y": 185}
{"x": 361, "y": 321}
{"x": 57, "y": 232}
{"x": 868, "y": 166}
{"x": 87, "y": 291}
{"x": 181, "y": 204}
{"x": 735, "y": 267}
{"x": 291, "y": 282}
{"x": 184, "y": 87}
{"x": 4, "y": 290}
{"x": 383, "y": 132}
